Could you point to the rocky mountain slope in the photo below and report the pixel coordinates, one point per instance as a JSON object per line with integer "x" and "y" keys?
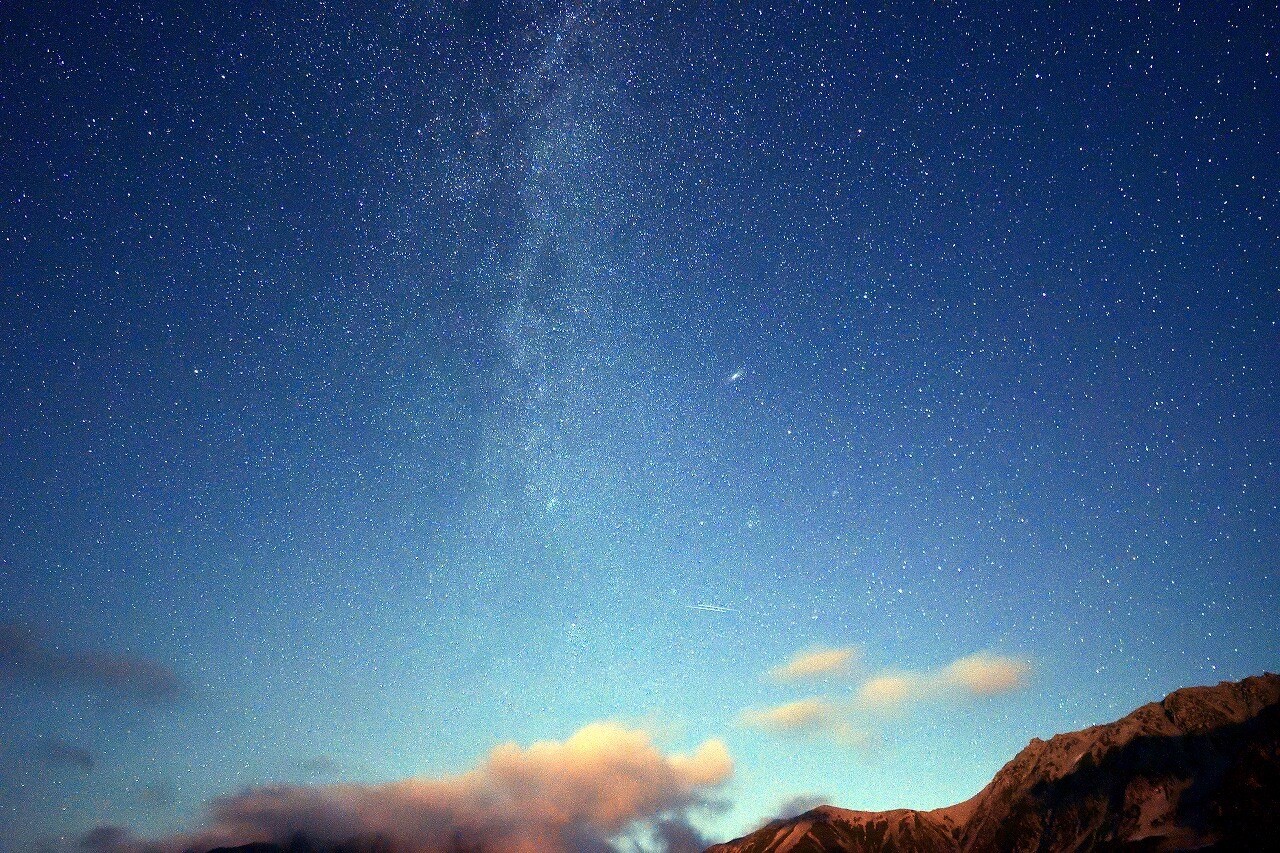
{"x": 1199, "y": 770}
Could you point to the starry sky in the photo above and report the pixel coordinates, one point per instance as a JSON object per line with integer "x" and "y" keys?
{"x": 858, "y": 388}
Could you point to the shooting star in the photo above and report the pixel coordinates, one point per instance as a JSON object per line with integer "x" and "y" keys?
{"x": 710, "y": 608}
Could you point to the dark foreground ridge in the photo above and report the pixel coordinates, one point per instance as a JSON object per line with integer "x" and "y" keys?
{"x": 301, "y": 844}
{"x": 1199, "y": 770}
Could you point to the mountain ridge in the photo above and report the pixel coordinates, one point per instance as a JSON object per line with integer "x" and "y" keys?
{"x": 1197, "y": 770}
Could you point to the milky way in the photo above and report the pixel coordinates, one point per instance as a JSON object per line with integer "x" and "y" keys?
{"x": 861, "y": 390}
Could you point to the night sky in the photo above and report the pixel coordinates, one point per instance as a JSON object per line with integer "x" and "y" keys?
{"x": 849, "y": 391}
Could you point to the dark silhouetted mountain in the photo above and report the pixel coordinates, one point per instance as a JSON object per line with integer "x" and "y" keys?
{"x": 300, "y": 843}
{"x": 1199, "y": 770}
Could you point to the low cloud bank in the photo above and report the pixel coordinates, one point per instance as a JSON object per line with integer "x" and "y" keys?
{"x": 552, "y": 797}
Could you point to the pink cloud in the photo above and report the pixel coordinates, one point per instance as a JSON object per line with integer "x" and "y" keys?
{"x": 817, "y": 663}
{"x": 813, "y": 717}
{"x": 985, "y": 674}
{"x": 552, "y": 797}
{"x": 982, "y": 674}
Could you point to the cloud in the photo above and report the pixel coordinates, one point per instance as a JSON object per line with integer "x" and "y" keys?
{"x": 889, "y": 691}
{"x": 856, "y": 720}
{"x": 985, "y": 674}
{"x": 319, "y": 766}
{"x": 54, "y": 752}
{"x": 157, "y": 795}
{"x": 552, "y": 797}
{"x": 977, "y": 675}
{"x": 675, "y": 835}
{"x": 26, "y": 657}
{"x": 816, "y": 663}
{"x": 798, "y": 805}
{"x": 812, "y": 717}
{"x": 105, "y": 839}
{"x": 791, "y": 717}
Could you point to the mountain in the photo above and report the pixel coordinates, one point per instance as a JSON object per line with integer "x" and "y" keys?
{"x": 1199, "y": 770}
{"x": 301, "y": 844}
